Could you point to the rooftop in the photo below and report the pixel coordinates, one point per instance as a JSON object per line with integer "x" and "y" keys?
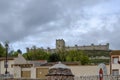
{"x": 115, "y": 52}
{"x": 59, "y": 65}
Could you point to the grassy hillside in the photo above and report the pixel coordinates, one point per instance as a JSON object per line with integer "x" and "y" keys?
{"x": 95, "y": 56}
{"x": 94, "y": 53}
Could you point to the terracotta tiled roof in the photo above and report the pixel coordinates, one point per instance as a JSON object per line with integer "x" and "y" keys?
{"x": 9, "y": 58}
{"x": 115, "y": 52}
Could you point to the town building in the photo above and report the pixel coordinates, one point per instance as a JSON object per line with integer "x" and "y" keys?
{"x": 21, "y": 68}
{"x": 115, "y": 62}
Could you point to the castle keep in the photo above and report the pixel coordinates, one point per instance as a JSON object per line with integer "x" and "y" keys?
{"x": 60, "y": 45}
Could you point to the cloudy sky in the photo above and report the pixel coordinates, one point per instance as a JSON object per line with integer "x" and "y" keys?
{"x": 25, "y": 23}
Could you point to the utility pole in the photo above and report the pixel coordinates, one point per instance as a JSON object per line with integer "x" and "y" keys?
{"x": 6, "y": 60}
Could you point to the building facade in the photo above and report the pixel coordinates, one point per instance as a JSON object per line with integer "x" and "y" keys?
{"x": 21, "y": 68}
{"x": 115, "y": 62}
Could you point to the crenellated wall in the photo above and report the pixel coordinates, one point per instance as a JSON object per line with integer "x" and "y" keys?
{"x": 61, "y": 42}
{"x": 89, "y": 47}
{"x": 60, "y": 45}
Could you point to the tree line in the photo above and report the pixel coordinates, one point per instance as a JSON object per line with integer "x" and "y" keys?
{"x": 64, "y": 56}
{"x": 40, "y": 54}
{"x": 81, "y": 56}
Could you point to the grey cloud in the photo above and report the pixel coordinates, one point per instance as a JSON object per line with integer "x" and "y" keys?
{"x": 31, "y": 15}
{"x": 39, "y": 12}
{"x": 52, "y": 19}
{"x": 4, "y": 6}
{"x": 107, "y": 33}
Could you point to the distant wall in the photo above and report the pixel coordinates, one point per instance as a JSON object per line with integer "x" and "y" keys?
{"x": 60, "y": 45}
{"x": 89, "y": 47}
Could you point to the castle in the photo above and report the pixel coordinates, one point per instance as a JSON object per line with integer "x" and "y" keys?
{"x": 60, "y": 45}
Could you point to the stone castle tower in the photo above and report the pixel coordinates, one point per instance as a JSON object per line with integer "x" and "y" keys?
{"x": 60, "y": 44}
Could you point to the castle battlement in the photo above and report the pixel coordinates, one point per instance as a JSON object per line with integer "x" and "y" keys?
{"x": 60, "y": 45}
{"x": 89, "y": 47}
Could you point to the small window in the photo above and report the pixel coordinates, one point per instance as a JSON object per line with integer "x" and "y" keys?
{"x": 115, "y": 72}
{"x": 115, "y": 60}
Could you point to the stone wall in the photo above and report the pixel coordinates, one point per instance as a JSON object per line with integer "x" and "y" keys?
{"x": 60, "y": 45}
{"x": 89, "y": 47}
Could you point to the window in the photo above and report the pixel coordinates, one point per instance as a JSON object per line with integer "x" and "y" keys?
{"x": 115, "y": 60}
{"x": 115, "y": 72}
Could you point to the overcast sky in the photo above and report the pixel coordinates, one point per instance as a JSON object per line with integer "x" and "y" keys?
{"x": 25, "y": 23}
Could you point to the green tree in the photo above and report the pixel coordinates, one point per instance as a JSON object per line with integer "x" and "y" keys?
{"x": 2, "y": 51}
{"x": 36, "y": 55}
{"x": 77, "y": 56}
{"x": 54, "y": 57}
{"x": 13, "y": 53}
{"x": 73, "y": 55}
{"x": 62, "y": 54}
{"x": 84, "y": 59}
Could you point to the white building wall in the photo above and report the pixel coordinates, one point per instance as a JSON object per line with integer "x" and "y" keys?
{"x": 115, "y": 66}
{"x": 17, "y": 72}
{"x": 87, "y": 70}
{"x": 9, "y": 69}
{"x": 33, "y": 72}
{"x": 0, "y": 67}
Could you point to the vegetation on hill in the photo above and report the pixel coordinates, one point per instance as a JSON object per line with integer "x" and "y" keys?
{"x": 95, "y": 56}
{"x": 64, "y": 56}
{"x": 36, "y": 55}
{"x": 94, "y": 53}
{"x": 81, "y": 56}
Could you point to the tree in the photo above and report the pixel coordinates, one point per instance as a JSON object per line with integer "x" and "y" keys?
{"x": 62, "y": 54}
{"x": 2, "y": 51}
{"x": 54, "y": 57}
{"x": 13, "y": 53}
{"x": 77, "y": 56}
{"x": 73, "y": 55}
{"x": 84, "y": 59}
{"x": 36, "y": 55}
{"x": 19, "y": 51}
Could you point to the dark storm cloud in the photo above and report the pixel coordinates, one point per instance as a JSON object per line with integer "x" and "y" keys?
{"x": 35, "y": 21}
{"x": 4, "y": 6}
{"x": 39, "y": 12}
{"x": 23, "y": 19}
